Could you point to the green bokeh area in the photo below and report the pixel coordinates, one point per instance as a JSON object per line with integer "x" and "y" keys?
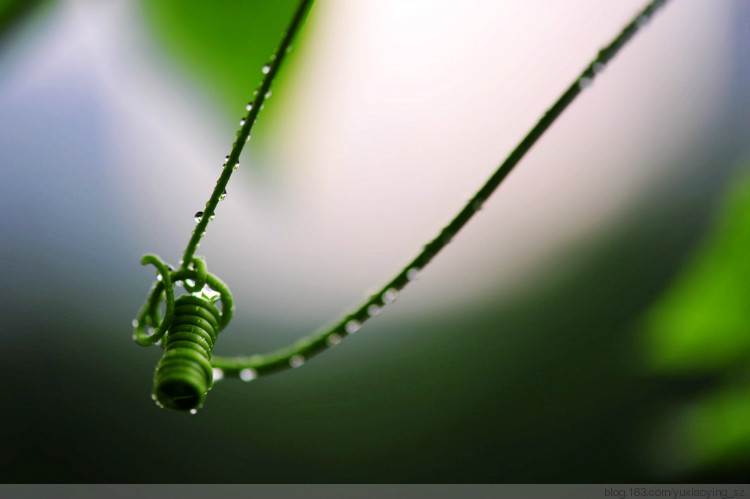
{"x": 223, "y": 49}
{"x": 703, "y": 322}
{"x": 702, "y": 325}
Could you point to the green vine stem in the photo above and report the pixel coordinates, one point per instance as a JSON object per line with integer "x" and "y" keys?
{"x": 243, "y": 135}
{"x": 248, "y": 368}
{"x": 191, "y": 324}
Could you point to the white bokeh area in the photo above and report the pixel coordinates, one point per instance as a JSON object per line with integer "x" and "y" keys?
{"x": 398, "y": 112}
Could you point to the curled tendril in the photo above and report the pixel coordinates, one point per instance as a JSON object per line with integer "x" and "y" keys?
{"x": 149, "y": 315}
{"x": 201, "y": 275}
{"x": 191, "y": 325}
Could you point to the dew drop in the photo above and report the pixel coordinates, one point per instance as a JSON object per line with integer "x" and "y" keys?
{"x": 249, "y": 106}
{"x": 193, "y": 411}
{"x": 642, "y": 21}
{"x": 268, "y": 94}
{"x": 373, "y": 310}
{"x": 477, "y": 204}
{"x": 584, "y": 83}
{"x": 248, "y": 374}
{"x": 134, "y": 322}
{"x": 198, "y": 216}
{"x": 134, "y": 337}
{"x": 242, "y": 122}
{"x": 390, "y": 296}
{"x": 296, "y": 361}
{"x": 248, "y": 137}
{"x": 334, "y": 339}
{"x": 223, "y": 195}
{"x": 599, "y": 67}
{"x": 153, "y": 396}
{"x": 158, "y": 277}
{"x": 226, "y": 159}
{"x": 211, "y": 217}
{"x": 412, "y": 274}
{"x": 236, "y": 165}
{"x": 151, "y": 331}
{"x": 190, "y": 282}
{"x": 218, "y": 374}
{"x": 266, "y": 69}
{"x": 352, "y": 327}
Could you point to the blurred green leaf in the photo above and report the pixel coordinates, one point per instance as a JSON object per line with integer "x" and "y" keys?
{"x": 717, "y": 429}
{"x": 702, "y": 323}
{"x": 710, "y": 433}
{"x": 224, "y": 45}
{"x": 14, "y": 12}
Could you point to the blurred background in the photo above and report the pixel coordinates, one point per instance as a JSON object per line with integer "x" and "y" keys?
{"x": 590, "y": 325}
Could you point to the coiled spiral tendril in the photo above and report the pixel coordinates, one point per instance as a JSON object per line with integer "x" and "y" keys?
{"x": 184, "y": 373}
{"x": 191, "y": 324}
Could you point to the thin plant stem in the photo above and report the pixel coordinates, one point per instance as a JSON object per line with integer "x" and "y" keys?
{"x": 253, "y": 108}
{"x": 294, "y": 355}
{"x": 191, "y": 324}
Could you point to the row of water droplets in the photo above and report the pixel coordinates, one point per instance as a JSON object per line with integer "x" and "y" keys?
{"x": 350, "y": 326}
{"x": 372, "y": 308}
{"x": 198, "y": 217}
{"x": 599, "y": 64}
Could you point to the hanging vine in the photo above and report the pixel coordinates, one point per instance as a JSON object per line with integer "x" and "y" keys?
{"x": 192, "y": 323}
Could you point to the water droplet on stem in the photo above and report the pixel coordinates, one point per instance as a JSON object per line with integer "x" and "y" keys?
{"x": 352, "y": 326}
{"x": 390, "y": 296}
{"x": 248, "y": 374}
